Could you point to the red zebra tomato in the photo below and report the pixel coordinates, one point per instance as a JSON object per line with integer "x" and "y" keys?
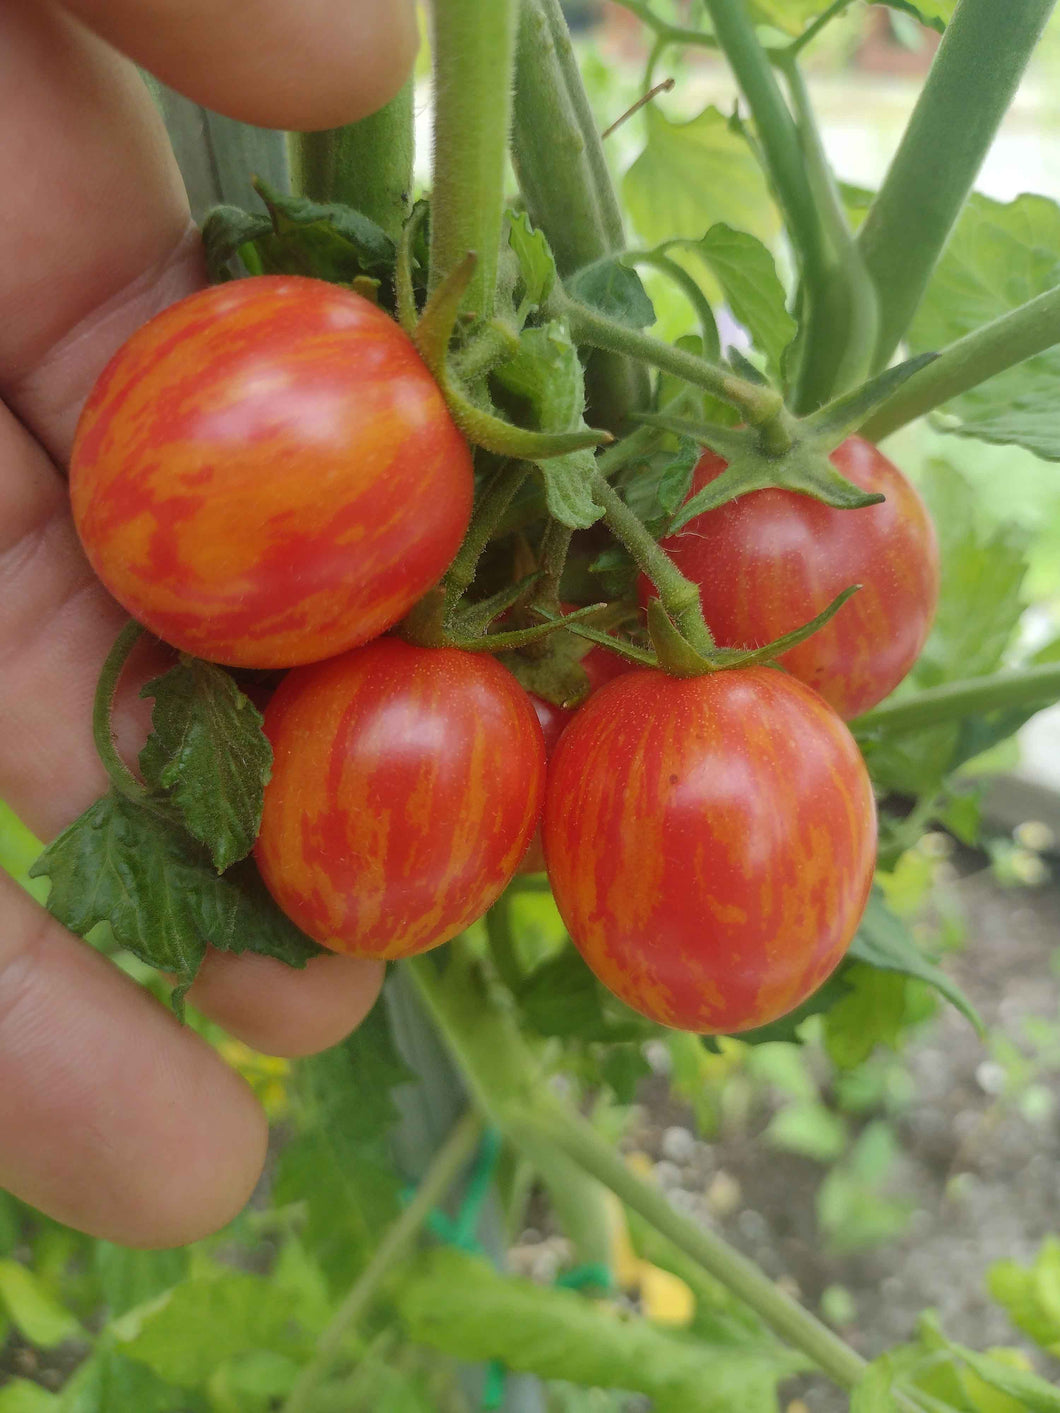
{"x": 266, "y": 474}
{"x": 406, "y": 785}
{"x": 710, "y": 843}
{"x": 771, "y": 560}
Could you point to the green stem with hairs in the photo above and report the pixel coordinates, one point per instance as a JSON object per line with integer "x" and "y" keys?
{"x": 119, "y": 774}
{"x": 1022, "y": 687}
{"x": 474, "y": 57}
{"x": 692, "y": 292}
{"x": 489, "y": 511}
{"x": 445, "y": 1168}
{"x": 969, "y": 361}
{"x": 972, "y": 81}
{"x": 761, "y": 407}
{"x": 679, "y": 596}
{"x": 367, "y": 165}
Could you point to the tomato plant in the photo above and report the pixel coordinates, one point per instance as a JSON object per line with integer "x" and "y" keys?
{"x": 771, "y": 560}
{"x": 710, "y": 843}
{"x": 244, "y": 467}
{"x": 406, "y": 784}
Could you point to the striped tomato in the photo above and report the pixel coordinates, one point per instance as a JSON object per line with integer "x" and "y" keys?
{"x": 771, "y": 560}
{"x": 406, "y": 785}
{"x": 266, "y": 474}
{"x": 710, "y": 843}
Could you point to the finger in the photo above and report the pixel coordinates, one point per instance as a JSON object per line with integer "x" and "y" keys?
{"x": 96, "y": 228}
{"x": 56, "y": 626}
{"x": 280, "y": 1011}
{"x": 113, "y": 1118}
{"x": 289, "y": 64}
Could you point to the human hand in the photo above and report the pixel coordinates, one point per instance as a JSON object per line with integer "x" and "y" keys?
{"x": 114, "y": 1118}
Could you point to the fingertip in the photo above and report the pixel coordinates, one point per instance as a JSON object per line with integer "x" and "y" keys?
{"x": 279, "y": 1010}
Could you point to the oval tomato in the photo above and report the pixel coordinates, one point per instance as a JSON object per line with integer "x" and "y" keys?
{"x": 771, "y": 560}
{"x": 406, "y": 784}
{"x": 266, "y": 474}
{"x": 710, "y": 843}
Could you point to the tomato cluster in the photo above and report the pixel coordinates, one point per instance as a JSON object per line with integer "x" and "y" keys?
{"x": 266, "y": 475}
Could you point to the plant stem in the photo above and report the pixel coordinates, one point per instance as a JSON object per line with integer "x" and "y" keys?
{"x": 474, "y": 55}
{"x": 971, "y": 360}
{"x": 502, "y": 942}
{"x": 665, "y": 32}
{"x": 552, "y": 557}
{"x": 121, "y": 777}
{"x": 692, "y": 292}
{"x": 580, "y": 1141}
{"x": 972, "y": 81}
{"x": 679, "y": 596}
{"x": 1022, "y": 687}
{"x": 759, "y": 405}
{"x": 367, "y": 165}
{"x": 811, "y": 31}
{"x": 492, "y": 503}
{"x": 444, "y": 1170}
{"x": 563, "y": 176}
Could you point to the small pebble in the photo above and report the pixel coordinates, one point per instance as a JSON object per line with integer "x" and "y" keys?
{"x": 678, "y": 1145}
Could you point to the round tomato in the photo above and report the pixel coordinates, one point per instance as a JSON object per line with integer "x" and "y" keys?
{"x": 769, "y": 561}
{"x": 406, "y": 784}
{"x": 710, "y": 843}
{"x": 266, "y": 474}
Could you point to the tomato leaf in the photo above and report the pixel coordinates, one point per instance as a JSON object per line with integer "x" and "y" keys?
{"x": 459, "y": 1304}
{"x": 1031, "y": 1294}
{"x": 224, "y": 230}
{"x": 33, "y": 1308}
{"x": 130, "y": 866}
{"x": 693, "y": 175}
{"x": 209, "y": 752}
{"x": 537, "y": 265}
{"x": 561, "y": 997}
{"x": 883, "y": 941}
{"x": 1032, "y": 1394}
{"x": 999, "y": 256}
{"x": 327, "y": 240}
{"x": 546, "y": 377}
{"x": 610, "y": 287}
{"x": 747, "y": 274}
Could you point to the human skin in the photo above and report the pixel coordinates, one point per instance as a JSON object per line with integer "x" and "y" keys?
{"x": 114, "y": 1118}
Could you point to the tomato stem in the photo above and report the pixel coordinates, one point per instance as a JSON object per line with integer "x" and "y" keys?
{"x": 121, "y": 777}
{"x": 367, "y": 165}
{"x": 445, "y": 1168}
{"x": 761, "y": 407}
{"x": 1023, "y": 687}
{"x": 474, "y": 56}
{"x": 969, "y": 361}
{"x": 489, "y": 511}
{"x": 679, "y": 596}
{"x": 563, "y": 176}
{"x": 972, "y": 81}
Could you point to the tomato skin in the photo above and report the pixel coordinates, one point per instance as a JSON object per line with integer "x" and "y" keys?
{"x": 266, "y": 473}
{"x": 406, "y": 785}
{"x": 710, "y": 843}
{"x": 769, "y": 561}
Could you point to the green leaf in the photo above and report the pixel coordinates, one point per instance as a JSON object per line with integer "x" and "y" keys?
{"x": 747, "y": 274}
{"x": 107, "y": 1382}
{"x": 1032, "y": 1394}
{"x": 546, "y": 378}
{"x": 873, "y": 1393}
{"x": 252, "y": 1383}
{"x": 561, "y": 997}
{"x": 224, "y": 230}
{"x": 537, "y": 264}
{"x": 339, "y": 1165}
{"x": 21, "y": 1396}
{"x": 128, "y": 866}
{"x": 33, "y": 1309}
{"x": 852, "y": 1208}
{"x": 871, "y": 1013}
{"x": 209, "y": 752}
{"x": 1031, "y": 1294}
{"x": 128, "y": 1278}
{"x": 935, "y": 13}
{"x": 184, "y": 1335}
{"x": 610, "y": 287}
{"x": 459, "y": 1304}
{"x": 809, "y": 1128}
{"x": 998, "y": 257}
{"x": 692, "y": 176}
{"x": 326, "y": 240}
{"x": 884, "y": 941}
